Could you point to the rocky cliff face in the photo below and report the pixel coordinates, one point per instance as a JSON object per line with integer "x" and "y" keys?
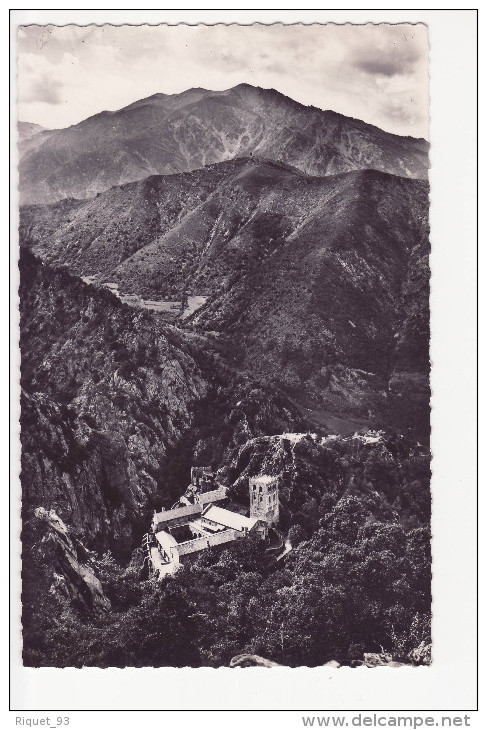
{"x": 72, "y": 580}
{"x": 59, "y": 583}
{"x": 169, "y": 134}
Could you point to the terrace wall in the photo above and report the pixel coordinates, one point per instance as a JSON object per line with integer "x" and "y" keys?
{"x": 202, "y": 543}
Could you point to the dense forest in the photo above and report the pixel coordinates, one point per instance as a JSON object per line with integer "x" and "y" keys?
{"x": 357, "y": 584}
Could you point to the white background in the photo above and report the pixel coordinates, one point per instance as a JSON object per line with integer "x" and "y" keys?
{"x": 450, "y": 683}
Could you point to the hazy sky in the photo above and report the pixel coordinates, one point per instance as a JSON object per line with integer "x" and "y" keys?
{"x": 375, "y": 73}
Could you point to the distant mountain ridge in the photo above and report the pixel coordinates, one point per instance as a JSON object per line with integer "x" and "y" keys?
{"x": 167, "y": 134}
{"x": 27, "y": 130}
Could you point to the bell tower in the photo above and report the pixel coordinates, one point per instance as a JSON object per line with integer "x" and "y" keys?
{"x": 264, "y": 498}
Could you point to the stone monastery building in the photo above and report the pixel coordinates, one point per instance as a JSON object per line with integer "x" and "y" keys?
{"x": 197, "y": 523}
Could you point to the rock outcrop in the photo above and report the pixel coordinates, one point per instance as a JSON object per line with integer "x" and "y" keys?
{"x": 381, "y": 660}
{"x": 421, "y": 654}
{"x": 71, "y": 578}
{"x": 251, "y": 660}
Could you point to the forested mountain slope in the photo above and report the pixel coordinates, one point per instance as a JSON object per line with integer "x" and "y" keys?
{"x": 300, "y": 237}
{"x": 166, "y": 134}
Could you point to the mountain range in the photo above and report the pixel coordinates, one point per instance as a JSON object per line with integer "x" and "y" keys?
{"x": 236, "y": 280}
{"x": 308, "y": 281}
{"x": 166, "y": 134}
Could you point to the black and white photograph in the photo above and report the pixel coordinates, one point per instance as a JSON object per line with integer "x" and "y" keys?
{"x": 231, "y": 371}
{"x": 224, "y": 331}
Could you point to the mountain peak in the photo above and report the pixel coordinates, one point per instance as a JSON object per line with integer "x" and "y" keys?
{"x": 169, "y": 133}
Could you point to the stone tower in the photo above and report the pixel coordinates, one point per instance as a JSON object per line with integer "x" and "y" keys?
{"x": 264, "y": 498}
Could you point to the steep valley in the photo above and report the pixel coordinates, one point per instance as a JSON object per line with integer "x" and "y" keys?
{"x": 109, "y": 396}
{"x": 115, "y": 407}
{"x": 318, "y": 286}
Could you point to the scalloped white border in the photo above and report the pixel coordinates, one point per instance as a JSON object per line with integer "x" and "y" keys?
{"x": 450, "y": 683}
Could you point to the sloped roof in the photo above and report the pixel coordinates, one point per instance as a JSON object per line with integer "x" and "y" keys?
{"x": 215, "y": 495}
{"x": 229, "y": 519}
{"x": 173, "y": 514}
